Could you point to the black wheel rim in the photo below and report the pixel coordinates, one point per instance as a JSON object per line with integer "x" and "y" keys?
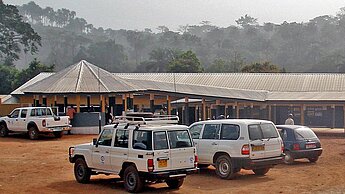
{"x": 131, "y": 180}
{"x": 224, "y": 167}
{"x": 32, "y": 134}
{"x": 2, "y": 131}
{"x": 80, "y": 171}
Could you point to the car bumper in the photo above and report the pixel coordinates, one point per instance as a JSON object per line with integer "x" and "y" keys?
{"x": 169, "y": 174}
{"x": 248, "y": 163}
{"x": 55, "y": 129}
{"x": 312, "y": 153}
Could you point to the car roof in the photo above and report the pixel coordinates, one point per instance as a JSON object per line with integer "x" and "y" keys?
{"x": 233, "y": 121}
{"x": 148, "y": 127}
{"x": 292, "y": 127}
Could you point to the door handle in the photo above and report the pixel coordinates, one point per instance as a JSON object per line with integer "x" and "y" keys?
{"x": 166, "y": 152}
{"x": 107, "y": 152}
{"x": 214, "y": 143}
{"x": 96, "y": 151}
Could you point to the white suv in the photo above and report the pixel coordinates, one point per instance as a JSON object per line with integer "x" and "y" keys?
{"x": 233, "y": 144}
{"x": 139, "y": 154}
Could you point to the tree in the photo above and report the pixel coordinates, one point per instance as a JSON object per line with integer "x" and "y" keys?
{"x": 15, "y": 35}
{"x": 247, "y": 21}
{"x": 187, "y": 62}
{"x": 35, "y": 67}
{"x": 218, "y": 66}
{"x": 159, "y": 60}
{"x": 265, "y": 67}
{"x": 7, "y": 75}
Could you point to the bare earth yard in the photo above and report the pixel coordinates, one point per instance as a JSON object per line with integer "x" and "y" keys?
{"x": 42, "y": 167}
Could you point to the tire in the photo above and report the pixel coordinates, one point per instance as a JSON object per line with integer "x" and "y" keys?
{"x": 314, "y": 159}
{"x": 3, "y": 130}
{"x": 58, "y": 134}
{"x": 132, "y": 181}
{"x": 174, "y": 183}
{"x": 224, "y": 168}
{"x": 261, "y": 171}
{"x": 288, "y": 158}
{"x": 33, "y": 133}
{"x": 82, "y": 173}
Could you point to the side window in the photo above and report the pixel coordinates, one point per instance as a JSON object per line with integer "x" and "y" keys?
{"x": 254, "y": 132}
{"x": 33, "y": 112}
{"x": 15, "y": 114}
{"x": 195, "y": 131}
{"x": 283, "y": 134}
{"x": 142, "y": 140}
{"x": 23, "y": 113}
{"x": 121, "y": 138}
{"x": 230, "y": 132}
{"x": 179, "y": 139}
{"x": 269, "y": 131}
{"x": 106, "y": 137}
{"x": 211, "y": 131}
{"x": 160, "y": 140}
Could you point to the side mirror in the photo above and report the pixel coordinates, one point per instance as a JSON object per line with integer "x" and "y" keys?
{"x": 94, "y": 141}
{"x": 9, "y": 116}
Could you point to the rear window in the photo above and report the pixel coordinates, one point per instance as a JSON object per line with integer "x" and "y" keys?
{"x": 179, "y": 139}
{"x": 40, "y": 112}
{"x": 304, "y": 133}
{"x": 142, "y": 140}
{"x": 255, "y": 132}
{"x": 160, "y": 140}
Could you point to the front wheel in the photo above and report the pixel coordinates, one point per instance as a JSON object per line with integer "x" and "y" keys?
{"x": 314, "y": 159}
{"x": 224, "y": 168}
{"x": 175, "y": 183}
{"x": 82, "y": 172}
{"x": 3, "y": 130}
{"x": 261, "y": 171}
{"x": 133, "y": 182}
{"x": 58, "y": 134}
{"x": 33, "y": 133}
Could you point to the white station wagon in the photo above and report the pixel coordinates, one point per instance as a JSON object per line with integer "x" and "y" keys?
{"x": 234, "y": 144}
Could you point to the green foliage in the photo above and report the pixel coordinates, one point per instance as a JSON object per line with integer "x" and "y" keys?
{"x": 159, "y": 60}
{"x": 35, "y": 67}
{"x": 15, "y": 35}
{"x": 247, "y": 20}
{"x": 187, "y": 62}
{"x": 265, "y": 67}
{"x": 8, "y": 75}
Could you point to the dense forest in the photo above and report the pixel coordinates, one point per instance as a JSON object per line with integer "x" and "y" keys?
{"x": 314, "y": 46}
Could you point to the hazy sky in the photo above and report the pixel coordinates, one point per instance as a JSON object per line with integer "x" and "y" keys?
{"x": 140, "y": 14}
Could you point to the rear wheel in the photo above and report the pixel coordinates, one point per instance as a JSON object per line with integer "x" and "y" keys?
{"x": 261, "y": 171}
{"x": 314, "y": 159}
{"x": 82, "y": 173}
{"x": 224, "y": 168}
{"x": 133, "y": 182}
{"x": 3, "y": 130}
{"x": 288, "y": 158}
{"x": 175, "y": 183}
{"x": 33, "y": 133}
{"x": 58, "y": 134}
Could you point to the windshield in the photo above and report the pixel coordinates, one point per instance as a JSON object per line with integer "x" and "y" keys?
{"x": 304, "y": 133}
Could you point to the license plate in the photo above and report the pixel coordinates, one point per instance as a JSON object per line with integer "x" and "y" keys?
{"x": 310, "y": 146}
{"x": 162, "y": 163}
{"x": 258, "y": 148}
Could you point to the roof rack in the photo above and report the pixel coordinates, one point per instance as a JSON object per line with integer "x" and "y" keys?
{"x": 157, "y": 119}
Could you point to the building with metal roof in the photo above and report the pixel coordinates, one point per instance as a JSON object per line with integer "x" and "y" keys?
{"x": 314, "y": 99}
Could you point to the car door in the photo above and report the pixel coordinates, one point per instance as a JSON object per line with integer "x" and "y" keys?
{"x": 12, "y": 120}
{"x": 208, "y": 144}
{"x": 119, "y": 152}
{"x": 228, "y": 141}
{"x": 195, "y": 131}
{"x": 256, "y": 142}
{"x": 271, "y": 140}
{"x": 101, "y": 151}
{"x": 162, "y": 159}
{"x": 181, "y": 149}
{"x": 21, "y": 123}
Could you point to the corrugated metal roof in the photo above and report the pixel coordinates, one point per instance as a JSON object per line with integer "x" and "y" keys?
{"x": 82, "y": 77}
{"x": 306, "y": 96}
{"x": 274, "y": 82}
{"x": 32, "y": 81}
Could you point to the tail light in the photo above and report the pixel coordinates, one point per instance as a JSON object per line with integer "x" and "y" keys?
{"x": 196, "y": 161}
{"x": 150, "y": 165}
{"x": 282, "y": 146}
{"x": 245, "y": 149}
{"x": 44, "y": 123}
{"x": 296, "y": 146}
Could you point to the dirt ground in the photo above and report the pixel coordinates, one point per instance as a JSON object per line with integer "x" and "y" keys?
{"x": 42, "y": 167}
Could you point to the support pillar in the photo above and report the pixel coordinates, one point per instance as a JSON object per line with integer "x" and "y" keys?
{"x": 203, "y": 104}
{"x": 270, "y": 112}
{"x": 168, "y": 105}
{"x": 152, "y": 103}
{"x": 102, "y": 103}
{"x": 124, "y": 102}
{"x": 55, "y": 100}
{"x": 44, "y": 101}
{"x": 78, "y": 103}
{"x": 217, "y": 108}
{"x": 186, "y": 102}
{"x": 333, "y": 116}
{"x": 237, "y": 110}
{"x": 65, "y": 103}
{"x": 130, "y": 102}
{"x": 302, "y": 114}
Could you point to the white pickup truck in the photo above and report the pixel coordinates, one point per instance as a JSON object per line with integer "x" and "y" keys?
{"x": 33, "y": 121}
